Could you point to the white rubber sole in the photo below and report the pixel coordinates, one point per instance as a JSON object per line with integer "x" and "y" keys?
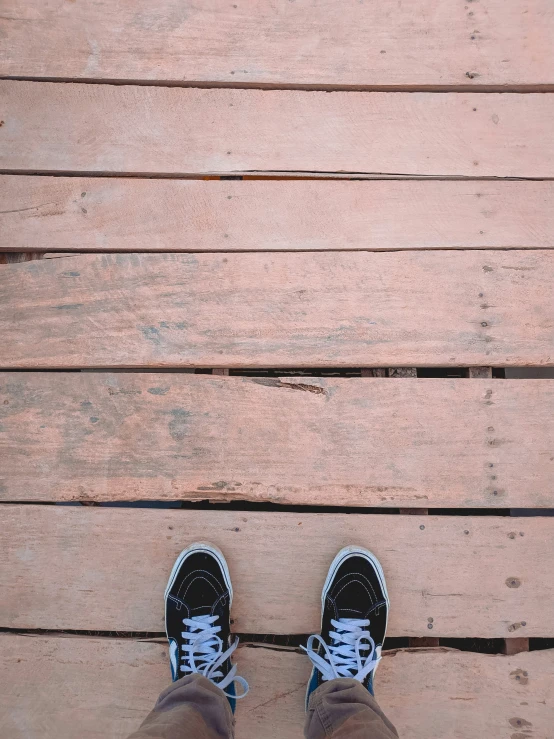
{"x": 199, "y": 547}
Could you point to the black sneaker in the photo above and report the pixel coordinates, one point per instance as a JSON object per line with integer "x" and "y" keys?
{"x": 355, "y": 607}
{"x": 198, "y": 601}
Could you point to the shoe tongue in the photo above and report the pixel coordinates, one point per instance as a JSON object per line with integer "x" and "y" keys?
{"x": 364, "y": 646}
{"x": 201, "y": 612}
{"x": 203, "y": 620}
{"x": 347, "y": 620}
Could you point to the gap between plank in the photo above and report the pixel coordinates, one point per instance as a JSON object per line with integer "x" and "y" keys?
{"x": 522, "y": 89}
{"x": 255, "y": 506}
{"x": 8, "y": 256}
{"x": 269, "y": 174}
{"x": 293, "y": 642}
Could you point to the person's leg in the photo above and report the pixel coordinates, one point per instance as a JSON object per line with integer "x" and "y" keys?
{"x": 201, "y": 701}
{"x": 345, "y": 709}
{"x": 355, "y": 605}
{"x": 191, "y": 708}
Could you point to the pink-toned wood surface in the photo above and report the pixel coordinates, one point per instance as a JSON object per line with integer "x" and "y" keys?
{"x": 475, "y": 576}
{"x": 320, "y": 42}
{"x": 359, "y": 442}
{"x": 105, "y": 687}
{"x": 102, "y": 214}
{"x": 319, "y": 309}
{"x": 51, "y": 127}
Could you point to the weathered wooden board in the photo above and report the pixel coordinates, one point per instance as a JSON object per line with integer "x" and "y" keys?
{"x": 57, "y": 568}
{"x": 328, "y": 309}
{"x": 309, "y": 441}
{"x": 107, "y": 686}
{"x": 15, "y": 257}
{"x": 51, "y": 127}
{"x": 102, "y": 214}
{"x": 306, "y": 43}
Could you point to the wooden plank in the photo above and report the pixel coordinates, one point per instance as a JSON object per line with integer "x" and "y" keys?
{"x": 410, "y": 443}
{"x": 414, "y": 511}
{"x": 516, "y": 645}
{"x": 319, "y": 309}
{"x": 402, "y": 372}
{"x": 480, "y": 372}
{"x": 423, "y": 642}
{"x": 476, "y": 576}
{"x": 15, "y": 257}
{"x": 85, "y": 128}
{"x": 103, "y": 214}
{"x": 425, "y": 693}
{"x": 323, "y": 43}
{"x": 12, "y": 257}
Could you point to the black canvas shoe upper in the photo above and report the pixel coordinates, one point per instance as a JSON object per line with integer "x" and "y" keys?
{"x": 197, "y": 617}
{"x": 354, "y": 620}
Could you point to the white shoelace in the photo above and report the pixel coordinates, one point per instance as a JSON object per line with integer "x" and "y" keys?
{"x": 343, "y": 657}
{"x": 204, "y": 653}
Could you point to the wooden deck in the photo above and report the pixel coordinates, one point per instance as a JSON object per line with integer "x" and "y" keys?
{"x": 299, "y": 249}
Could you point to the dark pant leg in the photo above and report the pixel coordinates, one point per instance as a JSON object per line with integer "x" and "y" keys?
{"x": 191, "y": 708}
{"x": 344, "y": 709}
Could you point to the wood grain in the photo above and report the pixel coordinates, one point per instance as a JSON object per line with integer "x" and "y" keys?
{"x": 306, "y": 441}
{"x": 427, "y": 694}
{"x": 103, "y": 214}
{"x": 86, "y": 128}
{"x": 350, "y": 309}
{"x": 310, "y": 43}
{"x": 476, "y": 576}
